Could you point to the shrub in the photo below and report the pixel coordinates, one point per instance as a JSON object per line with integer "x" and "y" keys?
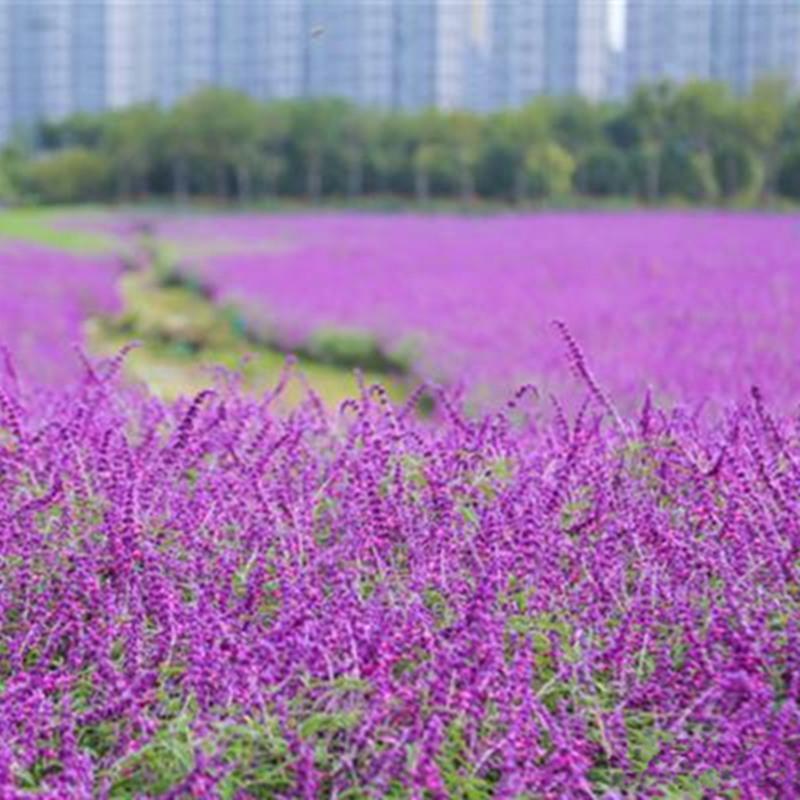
{"x": 735, "y": 169}
{"x": 74, "y": 175}
{"x": 687, "y": 174}
{"x": 789, "y": 175}
{"x": 603, "y": 171}
{"x": 549, "y": 170}
{"x": 351, "y": 347}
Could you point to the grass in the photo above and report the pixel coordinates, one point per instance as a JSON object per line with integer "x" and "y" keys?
{"x": 39, "y": 226}
{"x": 171, "y": 372}
{"x": 184, "y": 336}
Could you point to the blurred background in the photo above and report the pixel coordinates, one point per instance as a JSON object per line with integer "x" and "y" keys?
{"x": 507, "y": 99}
{"x": 212, "y": 153}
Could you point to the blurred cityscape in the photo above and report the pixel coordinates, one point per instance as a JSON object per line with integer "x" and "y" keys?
{"x": 58, "y": 57}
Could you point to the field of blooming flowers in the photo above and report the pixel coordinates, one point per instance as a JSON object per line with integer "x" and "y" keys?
{"x": 208, "y": 600}
{"x": 698, "y": 305}
{"x": 45, "y": 298}
{"x": 553, "y": 597}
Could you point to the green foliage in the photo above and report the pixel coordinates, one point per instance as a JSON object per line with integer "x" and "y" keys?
{"x": 166, "y": 759}
{"x": 602, "y": 172}
{"x": 181, "y": 329}
{"x": 458, "y": 767}
{"x": 7, "y": 193}
{"x": 437, "y": 604}
{"x": 550, "y": 168}
{"x": 789, "y": 175}
{"x": 328, "y": 723}
{"x": 174, "y": 314}
{"x": 37, "y": 225}
{"x": 133, "y": 138}
{"x": 256, "y": 755}
{"x": 74, "y": 175}
{"x": 735, "y": 169}
{"x": 78, "y": 130}
{"x": 694, "y": 142}
{"x": 352, "y": 347}
{"x": 687, "y": 175}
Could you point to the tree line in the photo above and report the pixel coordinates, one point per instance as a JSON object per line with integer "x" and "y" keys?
{"x": 694, "y": 143}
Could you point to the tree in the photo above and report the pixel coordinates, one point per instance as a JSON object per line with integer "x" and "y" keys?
{"x": 602, "y": 172}
{"x": 77, "y": 130}
{"x": 788, "y": 177}
{"x": 695, "y": 141}
{"x": 516, "y": 134}
{"x": 7, "y": 189}
{"x": 429, "y": 149}
{"x": 14, "y": 161}
{"x": 685, "y": 175}
{"x": 426, "y": 158}
{"x": 649, "y": 109}
{"x": 359, "y": 132}
{"x": 72, "y": 175}
{"x": 269, "y": 160}
{"x": 464, "y": 131}
{"x": 218, "y": 130}
{"x": 317, "y": 134}
{"x": 549, "y": 169}
{"x": 700, "y": 114}
{"x": 734, "y": 168}
{"x": 131, "y": 139}
{"x": 761, "y": 116}
{"x": 576, "y": 124}
{"x": 391, "y": 153}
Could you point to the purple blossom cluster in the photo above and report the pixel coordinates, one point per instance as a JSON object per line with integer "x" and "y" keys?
{"x": 208, "y": 599}
{"x": 697, "y": 305}
{"x": 46, "y": 296}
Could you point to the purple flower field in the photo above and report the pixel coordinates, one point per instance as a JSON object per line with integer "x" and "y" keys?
{"x": 571, "y": 596}
{"x": 205, "y": 600}
{"x": 45, "y": 298}
{"x": 699, "y": 306}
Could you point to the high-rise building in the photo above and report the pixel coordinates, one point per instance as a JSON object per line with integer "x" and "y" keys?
{"x": 88, "y": 54}
{"x": 576, "y": 47}
{"x": 51, "y": 60}
{"x": 415, "y": 44}
{"x": 752, "y": 39}
{"x": 442, "y": 54}
{"x": 555, "y": 47}
{"x": 62, "y": 56}
{"x": 280, "y": 40}
{"x": 137, "y": 43}
{"x": 67, "y": 55}
{"x": 591, "y": 68}
{"x": 38, "y": 54}
{"x": 668, "y": 40}
{"x": 735, "y": 41}
{"x": 451, "y": 54}
{"x": 477, "y": 77}
{"x": 349, "y": 50}
{"x": 161, "y": 50}
{"x": 258, "y": 47}
{"x": 517, "y": 53}
{"x": 462, "y": 56}
{"x": 6, "y": 122}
